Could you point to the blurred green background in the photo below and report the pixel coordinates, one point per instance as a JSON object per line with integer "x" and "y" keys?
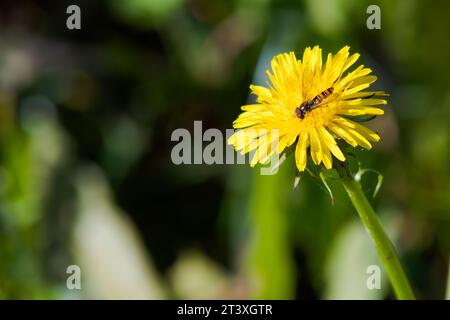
{"x": 86, "y": 176}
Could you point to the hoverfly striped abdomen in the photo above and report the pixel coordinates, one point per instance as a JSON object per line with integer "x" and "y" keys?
{"x": 309, "y": 105}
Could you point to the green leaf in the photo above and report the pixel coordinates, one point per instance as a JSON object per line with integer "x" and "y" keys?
{"x": 324, "y": 181}
{"x": 380, "y": 178}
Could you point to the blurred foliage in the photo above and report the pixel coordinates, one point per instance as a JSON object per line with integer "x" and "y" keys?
{"x": 108, "y": 97}
{"x": 272, "y": 270}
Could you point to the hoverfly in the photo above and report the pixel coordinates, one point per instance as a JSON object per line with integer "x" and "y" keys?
{"x": 309, "y": 105}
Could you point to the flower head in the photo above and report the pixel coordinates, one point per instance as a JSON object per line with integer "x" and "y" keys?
{"x": 311, "y": 104}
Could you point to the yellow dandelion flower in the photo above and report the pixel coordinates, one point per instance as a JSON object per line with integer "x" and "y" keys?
{"x": 309, "y": 103}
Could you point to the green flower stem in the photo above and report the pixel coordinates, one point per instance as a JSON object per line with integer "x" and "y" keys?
{"x": 384, "y": 247}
